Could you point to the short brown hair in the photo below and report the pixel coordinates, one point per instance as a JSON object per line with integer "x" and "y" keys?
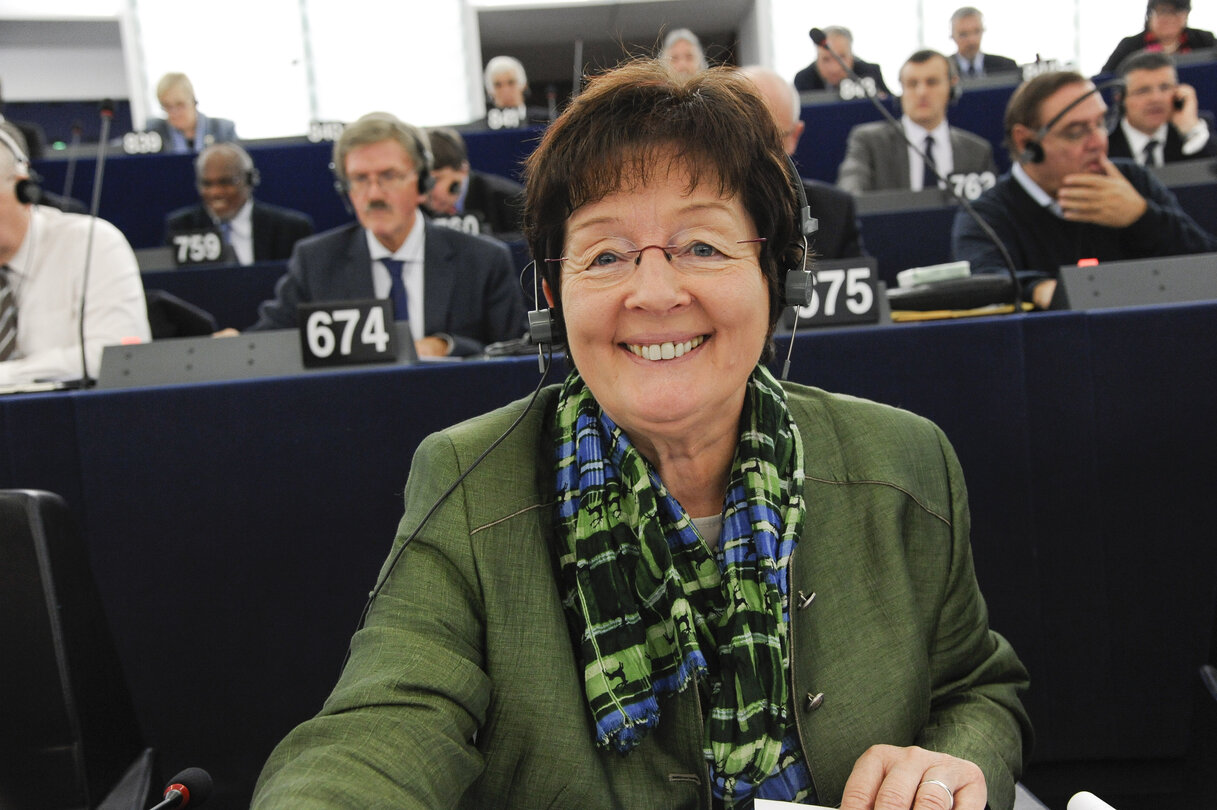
{"x": 1024, "y": 106}
{"x": 612, "y": 135}
{"x": 375, "y": 127}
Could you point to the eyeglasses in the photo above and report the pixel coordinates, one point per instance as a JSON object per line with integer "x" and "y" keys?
{"x": 1081, "y": 130}
{"x": 611, "y": 260}
{"x": 389, "y": 180}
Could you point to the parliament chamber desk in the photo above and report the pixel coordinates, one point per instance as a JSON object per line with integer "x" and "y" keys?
{"x": 236, "y": 528}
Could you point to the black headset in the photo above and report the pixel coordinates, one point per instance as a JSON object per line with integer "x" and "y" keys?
{"x": 1033, "y": 150}
{"x": 544, "y": 328}
{"x": 26, "y": 188}
{"x": 425, "y": 179}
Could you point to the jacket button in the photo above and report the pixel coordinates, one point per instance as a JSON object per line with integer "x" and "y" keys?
{"x": 814, "y": 701}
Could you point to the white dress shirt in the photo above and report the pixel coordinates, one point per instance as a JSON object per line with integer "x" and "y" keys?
{"x": 943, "y": 159}
{"x": 1193, "y": 140}
{"x": 411, "y": 252}
{"x": 47, "y": 277}
{"x": 241, "y": 233}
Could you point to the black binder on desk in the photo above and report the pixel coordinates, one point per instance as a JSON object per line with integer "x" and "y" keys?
{"x": 206, "y": 359}
{"x": 1141, "y": 282}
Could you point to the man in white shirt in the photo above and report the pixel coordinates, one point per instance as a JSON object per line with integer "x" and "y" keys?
{"x": 877, "y": 158}
{"x": 42, "y": 284}
{"x": 458, "y": 292}
{"x": 1161, "y": 120}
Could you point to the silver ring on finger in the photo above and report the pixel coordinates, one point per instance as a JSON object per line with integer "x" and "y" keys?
{"x": 943, "y": 785}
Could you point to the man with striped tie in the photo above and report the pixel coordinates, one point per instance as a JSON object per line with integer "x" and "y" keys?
{"x": 43, "y": 282}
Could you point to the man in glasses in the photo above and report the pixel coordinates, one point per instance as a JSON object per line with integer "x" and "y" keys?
{"x": 1161, "y": 120}
{"x": 225, "y": 176}
{"x": 1064, "y": 200}
{"x": 457, "y": 291}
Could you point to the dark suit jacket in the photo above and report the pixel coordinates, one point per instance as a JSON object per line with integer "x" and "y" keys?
{"x": 496, "y": 202}
{"x": 1194, "y": 39}
{"x": 877, "y": 158}
{"x": 216, "y": 130}
{"x": 275, "y": 230}
{"x": 991, "y": 64}
{"x": 809, "y": 78}
{"x": 1117, "y": 145}
{"x": 471, "y": 291}
{"x": 839, "y": 235}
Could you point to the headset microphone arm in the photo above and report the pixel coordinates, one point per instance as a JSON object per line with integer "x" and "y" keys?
{"x": 819, "y": 38}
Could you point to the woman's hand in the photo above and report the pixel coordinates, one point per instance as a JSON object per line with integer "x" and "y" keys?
{"x": 891, "y": 778}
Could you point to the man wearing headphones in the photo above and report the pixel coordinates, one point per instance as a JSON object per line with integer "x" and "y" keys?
{"x": 1064, "y": 200}
{"x": 468, "y": 200}
{"x": 1160, "y": 120}
{"x": 226, "y": 177}
{"x": 457, "y": 291}
{"x": 43, "y": 287}
{"x": 878, "y": 159}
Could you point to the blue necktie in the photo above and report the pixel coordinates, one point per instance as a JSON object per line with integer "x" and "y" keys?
{"x": 928, "y": 178}
{"x": 397, "y": 288}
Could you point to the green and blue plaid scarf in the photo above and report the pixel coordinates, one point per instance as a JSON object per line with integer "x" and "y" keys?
{"x": 651, "y": 605}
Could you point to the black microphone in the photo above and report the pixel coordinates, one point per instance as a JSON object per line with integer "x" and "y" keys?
{"x": 107, "y": 114}
{"x": 819, "y": 38}
{"x": 70, "y": 174}
{"x": 190, "y": 788}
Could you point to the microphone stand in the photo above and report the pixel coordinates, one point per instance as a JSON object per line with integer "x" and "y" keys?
{"x": 107, "y": 113}
{"x": 819, "y": 38}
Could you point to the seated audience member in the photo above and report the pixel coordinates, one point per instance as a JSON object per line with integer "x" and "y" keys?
{"x": 475, "y": 202}
{"x": 42, "y": 265}
{"x": 826, "y": 74}
{"x": 184, "y": 128}
{"x": 682, "y": 52}
{"x": 458, "y": 291}
{"x": 877, "y": 158}
{"x": 967, "y": 28}
{"x": 507, "y": 86}
{"x": 839, "y": 235}
{"x": 618, "y": 608}
{"x": 1165, "y": 30}
{"x": 1064, "y": 200}
{"x": 225, "y": 176}
{"x": 1160, "y": 121}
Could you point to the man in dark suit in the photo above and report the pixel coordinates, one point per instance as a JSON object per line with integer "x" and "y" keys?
{"x": 826, "y": 74}
{"x": 1160, "y": 121}
{"x": 839, "y": 235}
{"x": 257, "y": 231}
{"x": 877, "y": 158}
{"x": 458, "y": 291}
{"x": 471, "y": 201}
{"x": 967, "y": 28}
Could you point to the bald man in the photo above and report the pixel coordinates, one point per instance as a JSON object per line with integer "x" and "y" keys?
{"x": 839, "y": 235}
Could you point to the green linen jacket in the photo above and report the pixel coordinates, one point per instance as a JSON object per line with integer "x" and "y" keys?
{"x": 462, "y": 689}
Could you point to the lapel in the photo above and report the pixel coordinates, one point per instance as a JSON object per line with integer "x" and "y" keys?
{"x": 897, "y": 161}
{"x": 353, "y": 274}
{"x": 439, "y": 277}
{"x": 261, "y": 235}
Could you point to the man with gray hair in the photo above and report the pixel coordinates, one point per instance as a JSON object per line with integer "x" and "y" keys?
{"x": 457, "y": 291}
{"x": 43, "y": 284}
{"x": 839, "y": 235}
{"x": 825, "y": 73}
{"x": 225, "y": 176}
{"x": 967, "y": 28}
{"x": 683, "y": 53}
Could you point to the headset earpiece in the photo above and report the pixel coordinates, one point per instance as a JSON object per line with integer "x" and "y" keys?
{"x": 1033, "y": 152}
{"x": 27, "y": 188}
{"x": 253, "y": 177}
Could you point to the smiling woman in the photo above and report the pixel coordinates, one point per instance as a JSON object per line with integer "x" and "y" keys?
{"x": 677, "y": 583}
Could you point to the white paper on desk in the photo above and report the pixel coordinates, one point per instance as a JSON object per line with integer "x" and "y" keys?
{"x": 774, "y": 804}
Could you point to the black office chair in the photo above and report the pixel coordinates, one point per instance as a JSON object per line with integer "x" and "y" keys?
{"x": 68, "y": 731}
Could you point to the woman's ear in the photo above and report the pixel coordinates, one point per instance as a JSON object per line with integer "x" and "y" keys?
{"x": 549, "y": 295}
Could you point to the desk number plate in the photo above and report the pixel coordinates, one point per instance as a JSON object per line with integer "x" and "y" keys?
{"x": 840, "y": 296}
{"x": 340, "y": 333}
